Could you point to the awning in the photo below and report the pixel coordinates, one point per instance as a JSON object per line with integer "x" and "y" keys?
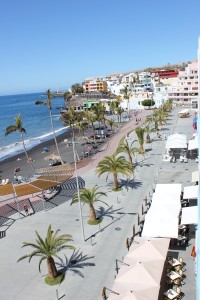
{"x": 190, "y": 192}
{"x": 195, "y": 176}
{"x": 189, "y": 215}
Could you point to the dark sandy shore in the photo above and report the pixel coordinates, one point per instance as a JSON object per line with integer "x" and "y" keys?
{"x": 38, "y": 155}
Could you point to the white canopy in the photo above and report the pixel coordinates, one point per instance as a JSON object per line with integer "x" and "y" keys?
{"x": 160, "y": 213}
{"x": 176, "y": 144}
{"x": 183, "y": 111}
{"x": 168, "y": 188}
{"x": 195, "y": 176}
{"x": 189, "y": 215}
{"x": 160, "y": 222}
{"x": 177, "y": 136}
{"x": 161, "y": 228}
{"x": 176, "y": 140}
{"x": 193, "y": 144}
{"x": 172, "y": 207}
{"x": 190, "y": 192}
{"x": 171, "y": 199}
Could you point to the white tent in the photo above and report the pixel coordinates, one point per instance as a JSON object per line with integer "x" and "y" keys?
{"x": 160, "y": 212}
{"x": 176, "y": 141}
{"x": 176, "y": 144}
{"x": 173, "y": 207}
{"x": 189, "y": 215}
{"x": 195, "y": 176}
{"x": 183, "y": 111}
{"x": 177, "y": 136}
{"x": 172, "y": 199}
{"x": 190, "y": 192}
{"x": 160, "y": 222}
{"x": 193, "y": 144}
{"x": 168, "y": 188}
{"x": 160, "y": 228}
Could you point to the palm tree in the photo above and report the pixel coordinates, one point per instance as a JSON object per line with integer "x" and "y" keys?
{"x": 48, "y": 248}
{"x": 158, "y": 117}
{"x": 67, "y": 96}
{"x": 148, "y": 129}
{"x": 91, "y": 119}
{"x": 111, "y": 123}
{"x": 115, "y": 165}
{"x": 77, "y": 88}
{"x": 119, "y": 112}
{"x": 19, "y": 127}
{"x": 70, "y": 119}
{"x": 89, "y": 196}
{"x": 99, "y": 112}
{"x": 124, "y": 147}
{"x": 140, "y": 135}
{"x": 48, "y": 104}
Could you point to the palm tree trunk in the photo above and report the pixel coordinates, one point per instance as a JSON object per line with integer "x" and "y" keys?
{"x": 92, "y": 213}
{"x": 116, "y": 183}
{"x": 148, "y": 140}
{"x": 141, "y": 147}
{"x": 28, "y": 160}
{"x": 52, "y": 271}
{"x": 54, "y": 134}
{"x": 130, "y": 159}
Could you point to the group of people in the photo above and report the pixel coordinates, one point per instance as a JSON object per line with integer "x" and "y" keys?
{"x": 138, "y": 119}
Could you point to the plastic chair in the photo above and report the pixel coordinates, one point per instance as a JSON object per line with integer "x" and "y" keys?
{"x": 180, "y": 293}
{"x": 177, "y": 281}
{"x": 181, "y": 260}
{"x": 169, "y": 258}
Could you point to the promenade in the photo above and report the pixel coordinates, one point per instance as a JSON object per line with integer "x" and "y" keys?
{"x": 94, "y": 259}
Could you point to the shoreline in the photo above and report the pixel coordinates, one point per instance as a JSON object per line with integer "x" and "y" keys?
{"x": 38, "y": 155}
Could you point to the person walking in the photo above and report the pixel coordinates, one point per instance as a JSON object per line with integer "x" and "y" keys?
{"x": 26, "y": 210}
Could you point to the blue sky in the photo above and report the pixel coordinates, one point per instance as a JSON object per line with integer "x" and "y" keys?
{"x": 53, "y": 44}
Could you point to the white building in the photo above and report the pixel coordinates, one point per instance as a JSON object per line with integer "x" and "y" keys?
{"x": 185, "y": 90}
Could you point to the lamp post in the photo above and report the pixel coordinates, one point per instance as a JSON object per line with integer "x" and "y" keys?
{"x": 78, "y": 191}
{"x": 151, "y": 106}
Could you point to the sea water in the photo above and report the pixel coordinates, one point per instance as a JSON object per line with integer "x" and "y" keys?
{"x": 35, "y": 120}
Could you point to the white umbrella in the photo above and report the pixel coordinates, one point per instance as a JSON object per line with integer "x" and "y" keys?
{"x": 137, "y": 279}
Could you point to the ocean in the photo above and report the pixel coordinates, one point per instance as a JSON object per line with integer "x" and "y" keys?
{"x": 35, "y": 119}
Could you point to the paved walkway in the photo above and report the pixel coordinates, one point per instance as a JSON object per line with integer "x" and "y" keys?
{"x": 94, "y": 260}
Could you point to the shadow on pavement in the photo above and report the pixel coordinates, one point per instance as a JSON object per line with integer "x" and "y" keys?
{"x": 76, "y": 262}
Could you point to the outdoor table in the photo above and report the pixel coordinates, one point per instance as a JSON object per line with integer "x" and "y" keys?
{"x": 174, "y": 262}
{"x": 173, "y": 275}
{"x": 171, "y": 294}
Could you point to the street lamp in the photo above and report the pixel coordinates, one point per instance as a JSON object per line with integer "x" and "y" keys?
{"x": 78, "y": 191}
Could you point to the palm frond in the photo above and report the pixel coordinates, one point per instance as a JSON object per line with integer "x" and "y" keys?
{"x": 40, "y": 262}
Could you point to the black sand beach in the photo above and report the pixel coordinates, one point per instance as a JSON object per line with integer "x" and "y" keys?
{"x": 37, "y": 154}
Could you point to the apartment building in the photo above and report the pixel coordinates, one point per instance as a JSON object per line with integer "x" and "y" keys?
{"x": 95, "y": 85}
{"x": 185, "y": 90}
